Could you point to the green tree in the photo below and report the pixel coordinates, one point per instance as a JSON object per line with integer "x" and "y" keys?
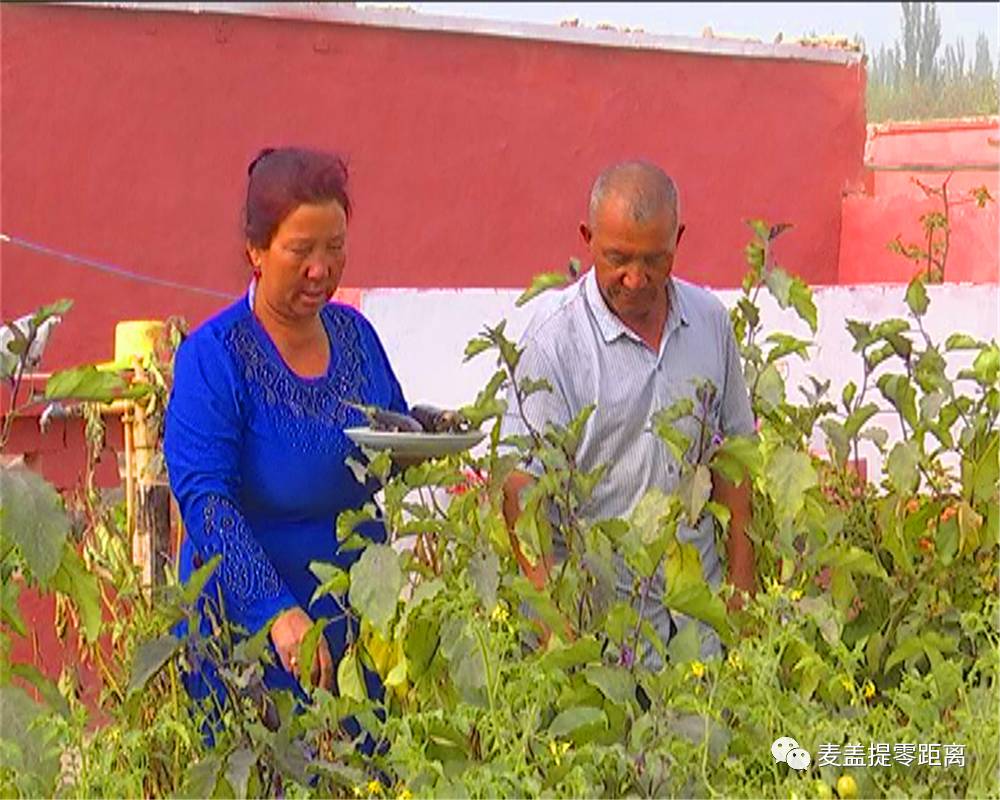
{"x": 916, "y": 79}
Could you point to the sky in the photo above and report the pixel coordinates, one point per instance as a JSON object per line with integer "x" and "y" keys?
{"x": 876, "y": 23}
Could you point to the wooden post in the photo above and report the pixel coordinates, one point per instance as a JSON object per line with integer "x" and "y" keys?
{"x": 151, "y": 531}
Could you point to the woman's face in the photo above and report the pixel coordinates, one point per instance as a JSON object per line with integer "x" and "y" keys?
{"x": 301, "y": 268}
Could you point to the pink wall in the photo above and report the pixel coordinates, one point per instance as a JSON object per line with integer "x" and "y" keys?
{"x": 125, "y": 137}
{"x": 869, "y": 223}
{"x": 939, "y": 151}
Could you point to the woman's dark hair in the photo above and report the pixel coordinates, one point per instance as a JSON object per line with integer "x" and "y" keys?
{"x": 282, "y": 179}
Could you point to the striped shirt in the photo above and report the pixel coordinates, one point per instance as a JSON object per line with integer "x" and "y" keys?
{"x": 589, "y": 356}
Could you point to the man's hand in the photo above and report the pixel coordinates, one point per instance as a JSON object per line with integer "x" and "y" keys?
{"x": 287, "y": 633}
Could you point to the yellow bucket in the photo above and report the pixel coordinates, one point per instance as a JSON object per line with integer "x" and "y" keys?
{"x": 135, "y": 339}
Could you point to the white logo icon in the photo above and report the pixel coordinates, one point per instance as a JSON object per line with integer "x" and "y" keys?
{"x": 786, "y": 749}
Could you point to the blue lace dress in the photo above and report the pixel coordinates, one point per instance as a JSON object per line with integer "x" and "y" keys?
{"x": 256, "y": 457}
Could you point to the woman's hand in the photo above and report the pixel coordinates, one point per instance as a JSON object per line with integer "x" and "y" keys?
{"x": 287, "y": 633}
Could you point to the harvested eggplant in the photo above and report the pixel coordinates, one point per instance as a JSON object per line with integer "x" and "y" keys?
{"x": 421, "y": 419}
{"x": 440, "y": 420}
{"x": 382, "y": 420}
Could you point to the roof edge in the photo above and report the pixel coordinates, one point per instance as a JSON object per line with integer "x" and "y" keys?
{"x": 402, "y": 19}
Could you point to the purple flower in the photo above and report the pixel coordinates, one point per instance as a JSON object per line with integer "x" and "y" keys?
{"x": 627, "y": 657}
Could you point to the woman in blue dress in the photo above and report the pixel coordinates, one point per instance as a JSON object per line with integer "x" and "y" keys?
{"x": 254, "y": 434}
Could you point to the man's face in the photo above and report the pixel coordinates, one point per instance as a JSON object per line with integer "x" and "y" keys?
{"x": 632, "y": 260}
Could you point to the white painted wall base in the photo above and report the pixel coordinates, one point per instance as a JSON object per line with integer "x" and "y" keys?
{"x": 425, "y": 333}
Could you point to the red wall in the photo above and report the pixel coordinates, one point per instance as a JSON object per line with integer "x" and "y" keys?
{"x": 125, "y": 137}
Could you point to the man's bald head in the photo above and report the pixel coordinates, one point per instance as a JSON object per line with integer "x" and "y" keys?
{"x": 645, "y": 189}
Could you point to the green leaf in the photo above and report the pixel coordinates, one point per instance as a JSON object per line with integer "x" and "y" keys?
{"x": 880, "y": 436}
{"x": 790, "y": 474}
{"x": 47, "y": 690}
{"x": 916, "y": 296}
{"x": 930, "y": 371}
{"x": 484, "y": 573}
{"x": 694, "y": 490}
{"x": 986, "y": 367}
{"x": 332, "y": 579}
{"x": 683, "y": 566}
{"x": 10, "y": 613}
{"x": 854, "y": 560}
{"x": 572, "y": 719}
{"x": 686, "y": 645}
{"x": 850, "y": 390}
{"x": 898, "y": 390}
{"x": 376, "y": 580}
{"x": 961, "y": 341}
{"x": 34, "y": 520}
{"x": 196, "y": 583}
{"x": 696, "y": 600}
{"x": 861, "y": 332}
{"x": 824, "y": 616}
{"x": 348, "y": 520}
{"x": 420, "y": 645}
{"x": 19, "y": 718}
{"x": 676, "y": 441}
{"x": 749, "y": 311}
{"x": 56, "y": 309}
{"x": 908, "y": 648}
{"x": 615, "y": 683}
{"x": 542, "y": 283}
{"x": 349, "y": 682}
{"x": 786, "y": 345}
{"x": 779, "y": 284}
{"x": 530, "y": 386}
{"x": 837, "y": 439}
{"x": 720, "y": 512}
{"x": 564, "y": 657}
{"x": 737, "y": 458}
{"x": 88, "y": 383}
{"x": 308, "y": 649}
{"x": 801, "y": 298}
{"x": 890, "y": 327}
{"x": 238, "y": 766}
{"x": 770, "y": 388}
{"x": 878, "y": 355}
{"x": 150, "y": 657}
{"x": 74, "y": 580}
{"x": 468, "y": 669}
{"x": 857, "y": 419}
{"x": 477, "y": 346}
{"x": 202, "y": 777}
{"x": 902, "y": 466}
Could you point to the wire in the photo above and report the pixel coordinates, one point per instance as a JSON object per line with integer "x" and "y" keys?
{"x": 110, "y": 268}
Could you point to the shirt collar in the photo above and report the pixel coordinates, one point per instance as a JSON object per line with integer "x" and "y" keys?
{"x": 612, "y": 327}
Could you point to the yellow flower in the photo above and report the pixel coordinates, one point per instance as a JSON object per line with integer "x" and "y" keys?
{"x": 500, "y": 613}
{"x": 374, "y": 788}
{"x": 359, "y": 792}
{"x": 735, "y": 661}
{"x": 697, "y": 669}
{"x": 406, "y": 794}
{"x": 795, "y": 594}
{"x": 847, "y": 682}
{"x": 558, "y": 750}
{"x": 868, "y": 690}
{"x": 774, "y": 586}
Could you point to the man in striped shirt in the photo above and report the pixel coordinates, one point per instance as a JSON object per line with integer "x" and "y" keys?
{"x": 631, "y": 340}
